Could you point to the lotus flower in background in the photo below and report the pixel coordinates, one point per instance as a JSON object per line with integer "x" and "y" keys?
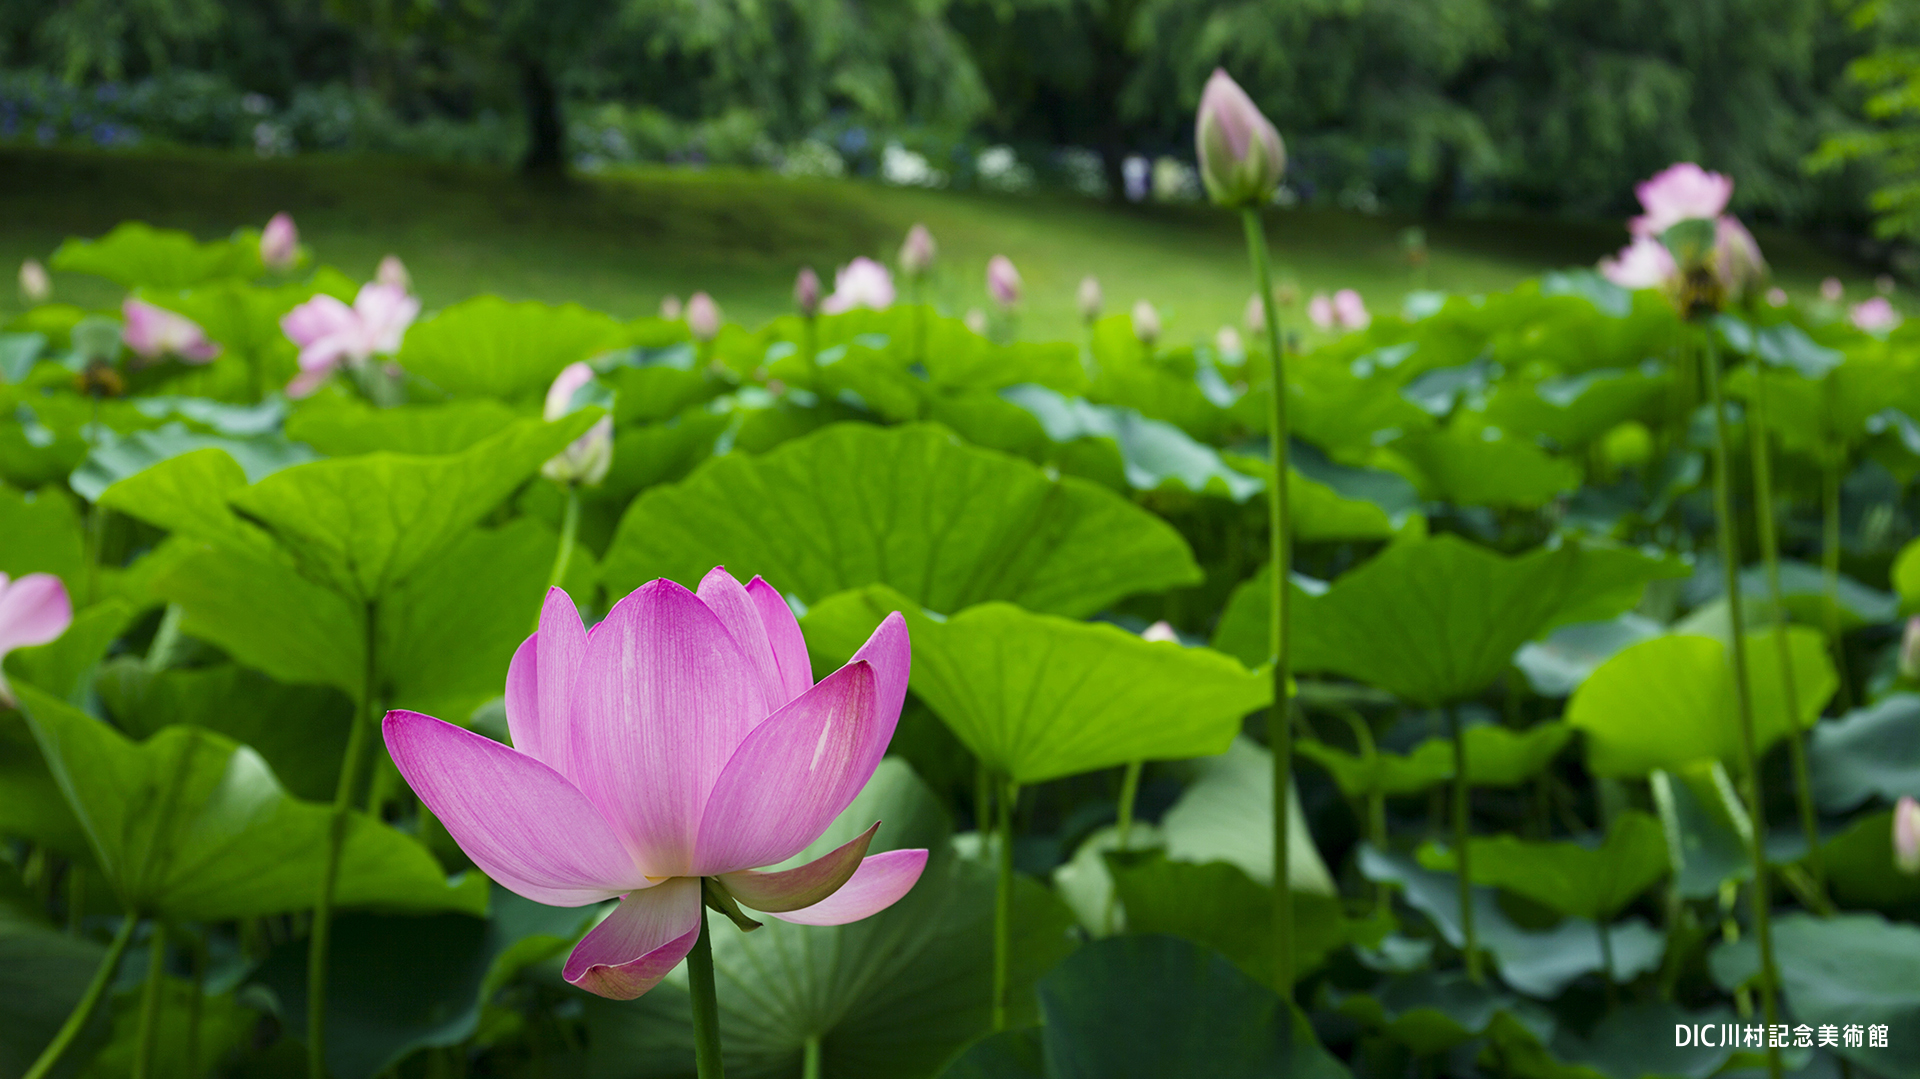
{"x": 154, "y": 333}
{"x": 860, "y": 283}
{"x": 684, "y": 738}
{"x": 332, "y": 335}
{"x": 1255, "y": 315}
{"x": 35, "y": 285}
{"x": 806, "y": 292}
{"x": 1350, "y": 311}
{"x": 1090, "y": 299}
{"x": 587, "y": 458}
{"x": 1146, "y": 322}
{"x": 1226, "y": 340}
{"x": 280, "y": 243}
{"x": 393, "y": 274}
{"x": 1906, "y": 835}
{"x": 975, "y": 320}
{"x": 1832, "y": 291}
{"x": 1003, "y": 282}
{"x": 671, "y": 308}
{"x": 34, "y": 609}
{"x": 703, "y": 317}
{"x": 1736, "y": 257}
{"x": 1240, "y": 153}
{"x": 1644, "y": 263}
{"x": 1160, "y": 631}
{"x": 1679, "y": 192}
{"x": 1777, "y": 297}
{"x": 917, "y": 252}
{"x": 1874, "y": 315}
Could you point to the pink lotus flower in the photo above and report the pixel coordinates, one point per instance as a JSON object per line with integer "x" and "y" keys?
{"x": 154, "y": 333}
{"x": 332, "y": 335}
{"x": 33, "y": 610}
{"x": 917, "y": 252}
{"x": 1146, "y": 322}
{"x": 703, "y": 317}
{"x": 683, "y": 738}
{"x": 1241, "y": 156}
{"x": 1003, "y": 281}
{"x": 1906, "y": 835}
{"x": 1776, "y": 297}
{"x": 860, "y": 283}
{"x": 1090, "y": 298}
{"x": 279, "y": 243}
{"x": 393, "y": 274}
{"x": 1350, "y": 311}
{"x": 1160, "y": 631}
{"x": 1875, "y": 315}
{"x": 1644, "y": 263}
{"x": 1682, "y": 192}
{"x": 587, "y": 458}
{"x": 806, "y": 292}
{"x": 35, "y": 285}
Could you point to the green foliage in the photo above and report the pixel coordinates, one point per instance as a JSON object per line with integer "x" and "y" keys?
{"x": 1569, "y": 878}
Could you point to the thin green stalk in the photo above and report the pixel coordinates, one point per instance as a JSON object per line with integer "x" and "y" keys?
{"x": 1743, "y": 706}
{"x": 1280, "y": 561}
{"x": 89, "y": 1000}
{"x": 569, "y": 529}
{"x": 706, "y": 1005}
{"x": 1606, "y": 963}
{"x": 810, "y": 1058}
{"x": 1376, "y": 798}
{"x": 1003, "y": 906}
{"x": 1462, "y": 828}
{"x": 1129, "y": 793}
{"x": 350, "y": 767}
{"x": 150, "y": 993}
{"x": 810, "y": 338}
{"x": 1770, "y": 556}
{"x": 1830, "y": 571}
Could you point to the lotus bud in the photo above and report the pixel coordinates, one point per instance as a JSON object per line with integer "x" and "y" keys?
{"x": 1906, "y": 835}
{"x": 975, "y": 320}
{"x": 703, "y": 317}
{"x": 1160, "y": 631}
{"x": 1003, "y": 282}
{"x": 1255, "y": 315}
{"x": 35, "y": 285}
{"x": 155, "y": 333}
{"x": 670, "y": 308}
{"x": 34, "y": 609}
{"x": 393, "y": 274}
{"x": 1776, "y": 297}
{"x": 279, "y": 243}
{"x": 917, "y": 251}
{"x": 1091, "y": 299}
{"x": 1832, "y": 291}
{"x": 1227, "y": 342}
{"x": 806, "y": 292}
{"x": 587, "y": 458}
{"x": 1320, "y": 311}
{"x": 1241, "y": 156}
{"x": 1146, "y": 323}
{"x": 1874, "y": 315}
{"x": 1910, "y": 650}
{"x": 1736, "y": 258}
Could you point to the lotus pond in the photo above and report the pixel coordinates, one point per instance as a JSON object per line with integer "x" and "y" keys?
{"x": 1563, "y": 795}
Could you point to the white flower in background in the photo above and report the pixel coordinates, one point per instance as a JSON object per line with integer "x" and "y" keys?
{"x": 1000, "y": 170}
{"x": 902, "y": 167}
{"x": 1175, "y": 181}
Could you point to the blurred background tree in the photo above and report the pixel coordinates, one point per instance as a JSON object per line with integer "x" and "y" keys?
{"x": 1891, "y": 138}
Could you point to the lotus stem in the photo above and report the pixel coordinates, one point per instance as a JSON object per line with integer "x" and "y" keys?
{"x": 810, "y": 1058}
{"x": 83, "y": 1011}
{"x": 706, "y": 1005}
{"x": 1279, "y": 731}
{"x": 1003, "y": 906}
{"x": 150, "y": 993}
{"x": 569, "y": 529}
{"x": 1129, "y": 793}
{"x": 1743, "y": 704}
{"x": 350, "y": 767}
{"x": 1462, "y": 828}
{"x": 1770, "y": 556}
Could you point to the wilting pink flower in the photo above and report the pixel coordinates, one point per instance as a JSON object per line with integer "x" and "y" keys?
{"x": 393, "y": 274}
{"x": 1090, "y": 298}
{"x": 1776, "y": 297}
{"x": 1146, "y": 322}
{"x": 1682, "y": 192}
{"x": 1644, "y": 263}
{"x": 35, "y": 285}
{"x": 155, "y": 333}
{"x": 860, "y": 283}
{"x": 683, "y": 738}
{"x": 331, "y": 334}
{"x": 1350, "y": 311}
{"x": 279, "y": 243}
{"x": 1160, "y": 631}
{"x": 1874, "y": 315}
{"x": 33, "y": 610}
{"x": 703, "y": 317}
{"x": 1906, "y": 835}
{"x": 916, "y": 252}
{"x": 587, "y": 458}
{"x": 1241, "y": 155}
{"x": 806, "y": 292}
{"x": 1832, "y": 291}
{"x": 1003, "y": 281}
{"x": 670, "y": 308}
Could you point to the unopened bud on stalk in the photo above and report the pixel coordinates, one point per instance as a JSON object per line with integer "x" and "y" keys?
{"x": 1003, "y": 282}
{"x": 1091, "y": 298}
{"x": 703, "y": 317}
{"x": 279, "y": 243}
{"x": 1241, "y": 156}
{"x": 917, "y": 252}
{"x": 670, "y": 308}
{"x": 35, "y": 285}
{"x": 1146, "y": 323}
{"x": 806, "y": 292}
{"x": 393, "y": 274}
{"x": 1906, "y": 835}
{"x": 1910, "y": 650}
